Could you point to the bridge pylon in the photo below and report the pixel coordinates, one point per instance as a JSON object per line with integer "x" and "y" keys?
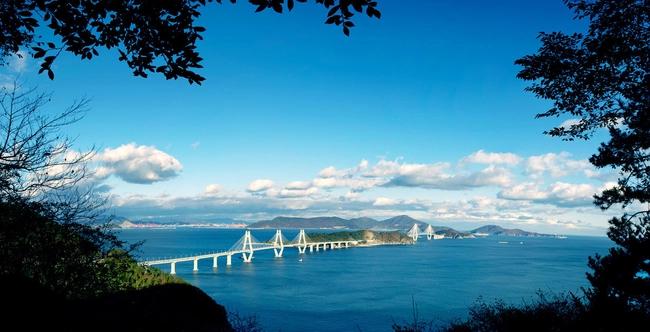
{"x": 302, "y": 241}
{"x": 278, "y": 243}
{"x": 414, "y": 232}
{"x": 429, "y": 231}
{"x": 247, "y": 247}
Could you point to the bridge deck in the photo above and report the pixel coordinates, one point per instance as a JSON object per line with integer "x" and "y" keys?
{"x": 235, "y": 252}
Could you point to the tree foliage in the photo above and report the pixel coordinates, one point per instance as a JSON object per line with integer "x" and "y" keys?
{"x": 150, "y": 36}
{"x": 52, "y": 224}
{"x": 601, "y": 80}
{"x": 35, "y": 157}
{"x": 65, "y": 258}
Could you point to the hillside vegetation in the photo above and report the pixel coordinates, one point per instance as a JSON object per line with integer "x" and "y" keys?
{"x": 364, "y": 236}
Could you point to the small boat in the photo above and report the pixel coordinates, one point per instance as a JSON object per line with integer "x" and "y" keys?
{"x": 300, "y": 260}
{"x": 503, "y": 242}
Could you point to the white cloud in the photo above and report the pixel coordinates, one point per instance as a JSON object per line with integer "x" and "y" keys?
{"x": 437, "y": 176}
{"x": 260, "y": 185}
{"x": 195, "y": 145}
{"x": 18, "y": 62}
{"x": 384, "y": 201}
{"x": 556, "y": 165}
{"x": 387, "y": 173}
{"x": 558, "y": 193}
{"x": 362, "y": 165}
{"x": 354, "y": 184}
{"x": 213, "y": 189}
{"x": 523, "y": 191}
{"x": 298, "y": 185}
{"x": 481, "y": 210}
{"x": 330, "y": 172}
{"x": 137, "y": 164}
{"x": 492, "y": 158}
{"x": 292, "y": 193}
{"x": 567, "y": 124}
{"x": 572, "y": 192}
{"x": 385, "y": 168}
{"x": 519, "y": 195}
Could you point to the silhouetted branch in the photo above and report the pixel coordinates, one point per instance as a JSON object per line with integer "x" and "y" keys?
{"x": 35, "y": 157}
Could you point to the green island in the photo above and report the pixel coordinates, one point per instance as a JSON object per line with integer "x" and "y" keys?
{"x": 365, "y": 237}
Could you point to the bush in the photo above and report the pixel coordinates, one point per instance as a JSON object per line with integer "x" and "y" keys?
{"x": 563, "y": 312}
{"x": 70, "y": 259}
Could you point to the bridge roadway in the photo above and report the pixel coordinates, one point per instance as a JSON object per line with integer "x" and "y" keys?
{"x": 247, "y": 246}
{"x": 248, "y": 250}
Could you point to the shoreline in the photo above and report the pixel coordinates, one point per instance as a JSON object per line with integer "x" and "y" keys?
{"x": 369, "y": 245}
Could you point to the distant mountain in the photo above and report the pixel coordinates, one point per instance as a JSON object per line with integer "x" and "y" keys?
{"x": 401, "y": 223}
{"x": 395, "y": 223}
{"x": 498, "y": 230}
{"x": 178, "y": 222}
{"x": 294, "y": 222}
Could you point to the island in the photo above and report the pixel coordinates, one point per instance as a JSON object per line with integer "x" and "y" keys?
{"x": 364, "y": 237}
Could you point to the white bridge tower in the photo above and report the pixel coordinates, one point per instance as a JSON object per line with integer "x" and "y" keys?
{"x": 278, "y": 243}
{"x": 414, "y": 232}
{"x": 302, "y": 241}
{"x": 429, "y": 231}
{"x": 247, "y": 246}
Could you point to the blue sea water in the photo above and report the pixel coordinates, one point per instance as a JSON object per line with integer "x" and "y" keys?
{"x": 368, "y": 289}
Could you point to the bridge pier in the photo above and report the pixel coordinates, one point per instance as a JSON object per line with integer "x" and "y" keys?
{"x": 229, "y": 260}
{"x": 278, "y": 244}
{"x": 302, "y": 242}
{"x": 429, "y": 232}
{"x": 214, "y": 262}
{"x": 414, "y": 232}
{"x": 196, "y": 264}
{"x": 247, "y": 258}
{"x": 247, "y": 246}
{"x": 347, "y": 244}
{"x": 324, "y": 246}
{"x": 173, "y": 268}
{"x": 311, "y": 248}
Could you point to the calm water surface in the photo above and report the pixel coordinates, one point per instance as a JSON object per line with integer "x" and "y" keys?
{"x": 368, "y": 289}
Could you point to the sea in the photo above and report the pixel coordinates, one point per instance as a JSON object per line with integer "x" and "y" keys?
{"x": 371, "y": 288}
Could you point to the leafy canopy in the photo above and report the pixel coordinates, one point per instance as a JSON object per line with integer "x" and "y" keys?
{"x": 150, "y": 36}
{"x": 601, "y": 80}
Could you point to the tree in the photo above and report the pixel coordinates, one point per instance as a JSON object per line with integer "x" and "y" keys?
{"x": 602, "y": 78}
{"x": 60, "y": 260}
{"x": 53, "y": 229}
{"x": 37, "y": 160}
{"x": 150, "y": 36}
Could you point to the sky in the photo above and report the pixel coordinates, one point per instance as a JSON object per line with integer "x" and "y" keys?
{"x": 418, "y": 113}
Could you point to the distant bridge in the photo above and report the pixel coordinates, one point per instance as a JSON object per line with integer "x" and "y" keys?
{"x": 248, "y": 245}
{"x": 415, "y": 233}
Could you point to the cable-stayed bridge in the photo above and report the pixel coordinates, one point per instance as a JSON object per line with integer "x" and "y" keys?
{"x": 415, "y": 233}
{"x": 247, "y": 245}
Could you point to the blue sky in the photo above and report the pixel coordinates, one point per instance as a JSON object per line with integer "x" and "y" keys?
{"x": 432, "y": 83}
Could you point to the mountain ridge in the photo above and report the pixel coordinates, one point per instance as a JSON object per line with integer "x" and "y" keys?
{"x": 493, "y": 230}
{"x": 400, "y": 223}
